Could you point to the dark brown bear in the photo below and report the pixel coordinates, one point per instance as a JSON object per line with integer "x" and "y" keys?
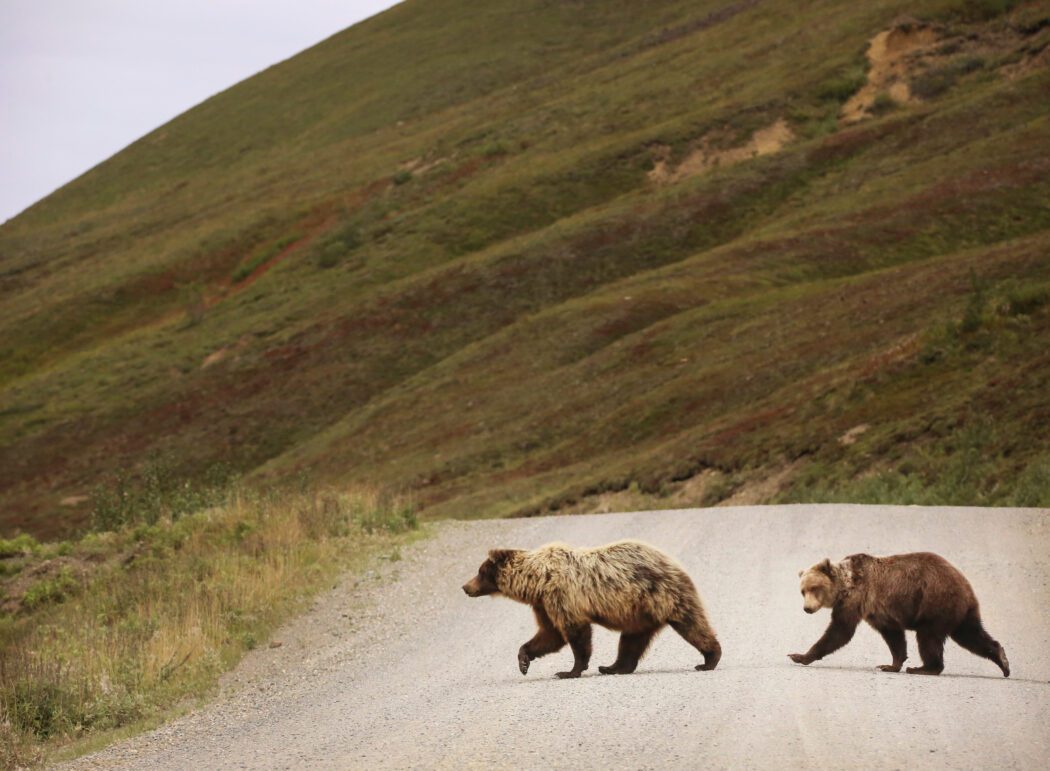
{"x": 627, "y": 586}
{"x": 921, "y": 591}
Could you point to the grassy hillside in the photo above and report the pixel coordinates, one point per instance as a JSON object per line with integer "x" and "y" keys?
{"x": 541, "y": 254}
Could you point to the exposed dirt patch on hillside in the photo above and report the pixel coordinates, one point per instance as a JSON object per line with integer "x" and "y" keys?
{"x": 892, "y": 56}
{"x": 705, "y": 156}
{"x": 420, "y": 166}
{"x": 224, "y": 352}
{"x": 915, "y": 61}
{"x": 851, "y": 436}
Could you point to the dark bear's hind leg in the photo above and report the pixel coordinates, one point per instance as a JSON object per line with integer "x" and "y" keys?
{"x": 971, "y": 635}
{"x": 632, "y": 648}
{"x": 931, "y": 650}
{"x": 579, "y": 638}
{"x": 898, "y": 648}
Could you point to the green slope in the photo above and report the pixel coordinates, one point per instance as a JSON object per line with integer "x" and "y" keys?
{"x": 430, "y": 253}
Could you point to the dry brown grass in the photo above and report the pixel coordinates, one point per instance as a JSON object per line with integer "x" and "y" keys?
{"x": 166, "y": 608}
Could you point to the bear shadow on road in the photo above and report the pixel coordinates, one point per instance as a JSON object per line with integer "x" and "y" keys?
{"x": 943, "y": 675}
{"x": 641, "y": 673}
{"x": 685, "y": 672}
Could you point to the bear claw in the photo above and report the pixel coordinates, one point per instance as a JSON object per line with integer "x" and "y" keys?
{"x": 523, "y": 662}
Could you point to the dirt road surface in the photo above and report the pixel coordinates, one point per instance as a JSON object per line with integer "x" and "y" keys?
{"x": 399, "y": 669}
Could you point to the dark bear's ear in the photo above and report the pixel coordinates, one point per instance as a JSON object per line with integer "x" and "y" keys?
{"x": 499, "y": 555}
{"x": 825, "y": 567}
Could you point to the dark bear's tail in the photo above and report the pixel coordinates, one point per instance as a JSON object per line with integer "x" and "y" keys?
{"x": 971, "y": 635}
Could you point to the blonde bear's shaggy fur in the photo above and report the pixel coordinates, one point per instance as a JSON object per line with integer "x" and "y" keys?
{"x": 627, "y": 586}
{"x": 920, "y": 591}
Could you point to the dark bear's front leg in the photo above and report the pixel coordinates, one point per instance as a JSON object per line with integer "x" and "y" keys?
{"x": 898, "y": 648}
{"x": 579, "y": 638}
{"x": 839, "y": 632}
{"x": 546, "y": 640}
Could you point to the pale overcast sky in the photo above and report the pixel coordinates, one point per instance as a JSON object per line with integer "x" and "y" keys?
{"x": 81, "y": 79}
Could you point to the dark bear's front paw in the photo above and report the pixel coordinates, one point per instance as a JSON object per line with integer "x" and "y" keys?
{"x": 922, "y": 671}
{"x": 800, "y": 658}
{"x": 567, "y": 675}
{"x": 523, "y": 661}
{"x": 889, "y": 667}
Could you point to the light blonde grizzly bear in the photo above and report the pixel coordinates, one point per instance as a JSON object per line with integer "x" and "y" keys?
{"x": 627, "y": 586}
{"x": 920, "y": 591}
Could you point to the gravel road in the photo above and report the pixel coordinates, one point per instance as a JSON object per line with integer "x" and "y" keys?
{"x": 399, "y": 669}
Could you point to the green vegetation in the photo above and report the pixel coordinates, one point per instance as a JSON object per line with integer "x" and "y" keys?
{"x": 122, "y": 626}
{"x": 937, "y": 80}
{"x": 842, "y": 85}
{"x": 477, "y": 259}
{"x": 158, "y": 493}
{"x": 974, "y": 10}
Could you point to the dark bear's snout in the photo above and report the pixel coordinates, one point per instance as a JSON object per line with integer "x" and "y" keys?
{"x": 471, "y": 587}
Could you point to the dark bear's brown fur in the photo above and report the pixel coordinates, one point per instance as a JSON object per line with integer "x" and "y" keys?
{"x": 627, "y": 586}
{"x": 921, "y": 591}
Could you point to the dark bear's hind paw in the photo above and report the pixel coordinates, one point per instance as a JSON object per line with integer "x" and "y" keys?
{"x": 523, "y": 662}
{"x": 1004, "y": 663}
{"x": 567, "y": 675}
{"x": 889, "y": 667}
{"x": 711, "y": 659}
{"x": 799, "y": 658}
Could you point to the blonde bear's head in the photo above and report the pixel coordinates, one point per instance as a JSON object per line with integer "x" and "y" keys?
{"x": 487, "y": 581}
{"x": 820, "y": 585}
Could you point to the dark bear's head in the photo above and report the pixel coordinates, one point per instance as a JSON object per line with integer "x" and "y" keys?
{"x": 487, "y": 579}
{"x": 819, "y": 586}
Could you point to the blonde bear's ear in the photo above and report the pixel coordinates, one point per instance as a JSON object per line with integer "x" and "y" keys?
{"x": 800, "y": 573}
